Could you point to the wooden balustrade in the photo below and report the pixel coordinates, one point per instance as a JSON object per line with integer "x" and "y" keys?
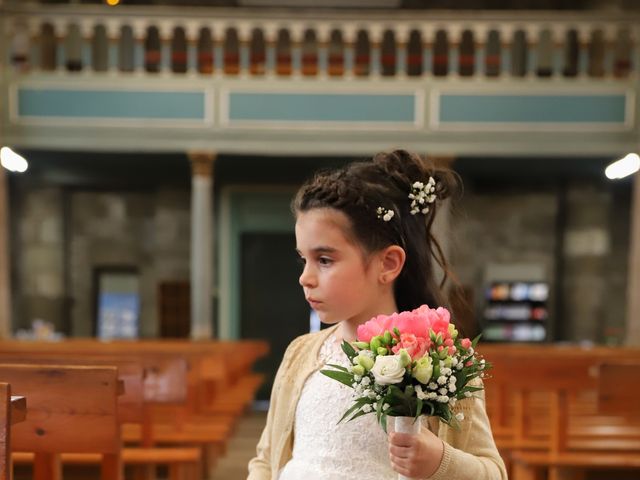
{"x": 228, "y": 44}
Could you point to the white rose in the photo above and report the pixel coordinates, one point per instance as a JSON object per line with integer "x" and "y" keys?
{"x": 388, "y": 369}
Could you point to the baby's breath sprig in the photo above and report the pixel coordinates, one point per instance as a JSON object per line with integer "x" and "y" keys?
{"x": 384, "y": 214}
{"x": 422, "y": 195}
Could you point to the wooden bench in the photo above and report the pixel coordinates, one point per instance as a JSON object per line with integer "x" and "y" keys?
{"x": 71, "y": 409}
{"x": 555, "y": 423}
{"x": 13, "y": 409}
{"x": 165, "y": 383}
{"x": 211, "y": 367}
{"x": 182, "y": 463}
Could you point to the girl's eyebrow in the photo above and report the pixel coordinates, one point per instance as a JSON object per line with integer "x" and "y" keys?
{"x": 320, "y": 249}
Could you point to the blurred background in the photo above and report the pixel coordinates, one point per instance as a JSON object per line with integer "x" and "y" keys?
{"x": 155, "y": 147}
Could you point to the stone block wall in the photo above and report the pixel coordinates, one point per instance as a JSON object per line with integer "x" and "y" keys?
{"x": 519, "y": 225}
{"x": 38, "y": 259}
{"x": 145, "y": 230}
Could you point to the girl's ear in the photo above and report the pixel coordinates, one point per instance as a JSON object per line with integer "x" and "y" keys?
{"x": 391, "y": 261}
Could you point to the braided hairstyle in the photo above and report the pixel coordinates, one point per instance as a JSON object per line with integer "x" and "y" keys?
{"x": 359, "y": 188}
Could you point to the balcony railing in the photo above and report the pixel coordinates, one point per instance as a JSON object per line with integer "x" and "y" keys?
{"x": 347, "y": 45}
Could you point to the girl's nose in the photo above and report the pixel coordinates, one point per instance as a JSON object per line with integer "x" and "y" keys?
{"x": 306, "y": 279}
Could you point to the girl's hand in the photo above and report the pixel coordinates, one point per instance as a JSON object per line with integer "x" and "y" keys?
{"x": 415, "y": 456}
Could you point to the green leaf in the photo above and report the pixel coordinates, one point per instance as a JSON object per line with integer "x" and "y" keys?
{"x": 379, "y": 408}
{"x": 348, "y": 349}
{"x": 342, "y": 377}
{"x": 431, "y": 411}
{"x": 359, "y": 403}
{"x": 383, "y": 422}
{"x": 471, "y": 388}
{"x": 475, "y": 341}
{"x": 419, "y": 408}
{"x": 338, "y": 367}
{"x": 359, "y": 414}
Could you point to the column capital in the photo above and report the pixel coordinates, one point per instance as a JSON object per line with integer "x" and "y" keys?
{"x": 202, "y": 163}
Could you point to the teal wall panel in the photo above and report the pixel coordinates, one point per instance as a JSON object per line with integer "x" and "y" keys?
{"x": 532, "y": 108}
{"x": 110, "y": 104}
{"x": 322, "y": 107}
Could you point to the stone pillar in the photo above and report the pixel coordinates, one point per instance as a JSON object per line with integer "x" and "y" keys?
{"x": 5, "y": 286}
{"x": 633, "y": 284}
{"x": 201, "y": 244}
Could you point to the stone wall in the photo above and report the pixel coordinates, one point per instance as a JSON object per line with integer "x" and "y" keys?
{"x": 497, "y": 227}
{"x": 596, "y": 251}
{"x": 517, "y": 225}
{"x": 62, "y": 236}
{"x": 148, "y": 231}
{"x": 38, "y": 258}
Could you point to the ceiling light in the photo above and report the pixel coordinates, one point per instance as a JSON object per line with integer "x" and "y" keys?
{"x": 12, "y": 161}
{"x": 625, "y": 166}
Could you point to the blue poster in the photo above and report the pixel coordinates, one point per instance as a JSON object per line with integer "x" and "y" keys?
{"x": 118, "y": 315}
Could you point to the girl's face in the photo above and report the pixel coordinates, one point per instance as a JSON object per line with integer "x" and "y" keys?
{"x": 337, "y": 282}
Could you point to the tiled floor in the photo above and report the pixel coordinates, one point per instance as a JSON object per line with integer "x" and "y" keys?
{"x": 242, "y": 447}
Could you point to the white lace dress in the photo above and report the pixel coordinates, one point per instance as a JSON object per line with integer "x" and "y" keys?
{"x": 323, "y": 450}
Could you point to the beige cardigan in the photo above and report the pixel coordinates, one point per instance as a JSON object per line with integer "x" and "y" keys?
{"x": 469, "y": 454}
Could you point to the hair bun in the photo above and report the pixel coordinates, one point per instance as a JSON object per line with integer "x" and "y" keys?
{"x": 406, "y": 168}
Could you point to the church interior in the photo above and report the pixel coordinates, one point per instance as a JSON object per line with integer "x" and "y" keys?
{"x": 149, "y": 280}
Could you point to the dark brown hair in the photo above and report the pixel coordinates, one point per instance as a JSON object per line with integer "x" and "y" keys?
{"x": 359, "y": 188}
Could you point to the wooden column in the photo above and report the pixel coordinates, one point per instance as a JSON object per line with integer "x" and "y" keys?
{"x": 633, "y": 283}
{"x": 5, "y": 264}
{"x": 201, "y": 244}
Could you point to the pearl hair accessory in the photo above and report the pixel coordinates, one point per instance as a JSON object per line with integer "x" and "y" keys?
{"x": 422, "y": 195}
{"x": 385, "y": 215}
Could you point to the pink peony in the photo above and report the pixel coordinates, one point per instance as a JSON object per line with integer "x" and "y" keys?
{"x": 374, "y": 327}
{"x": 416, "y": 347}
{"x": 415, "y": 322}
{"x": 439, "y": 320}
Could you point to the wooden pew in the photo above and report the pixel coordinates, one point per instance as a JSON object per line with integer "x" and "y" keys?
{"x": 189, "y": 421}
{"x": 71, "y": 409}
{"x": 183, "y": 463}
{"x": 165, "y": 383}
{"x": 13, "y": 409}
{"x": 5, "y": 431}
{"x": 552, "y": 423}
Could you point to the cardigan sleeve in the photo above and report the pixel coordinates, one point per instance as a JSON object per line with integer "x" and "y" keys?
{"x": 470, "y": 453}
{"x": 260, "y": 466}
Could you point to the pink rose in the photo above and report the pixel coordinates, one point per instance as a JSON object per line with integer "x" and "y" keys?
{"x": 465, "y": 343}
{"x": 374, "y": 327}
{"x": 416, "y": 347}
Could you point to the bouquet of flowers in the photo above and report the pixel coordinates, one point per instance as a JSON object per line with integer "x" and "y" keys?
{"x": 409, "y": 364}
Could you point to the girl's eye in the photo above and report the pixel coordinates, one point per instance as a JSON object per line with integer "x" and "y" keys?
{"x": 325, "y": 261}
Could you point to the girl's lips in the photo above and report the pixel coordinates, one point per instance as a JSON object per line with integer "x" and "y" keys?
{"x": 313, "y": 303}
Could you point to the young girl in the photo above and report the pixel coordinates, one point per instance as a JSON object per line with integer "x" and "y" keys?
{"x": 367, "y": 249}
